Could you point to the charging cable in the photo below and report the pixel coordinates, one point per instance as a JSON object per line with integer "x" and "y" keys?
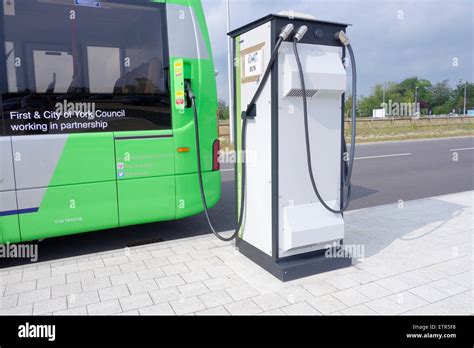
{"x": 341, "y": 36}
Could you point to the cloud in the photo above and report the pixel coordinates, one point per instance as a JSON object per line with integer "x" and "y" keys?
{"x": 393, "y": 39}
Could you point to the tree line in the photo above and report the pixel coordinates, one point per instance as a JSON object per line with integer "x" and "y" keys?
{"x": 433, "y": 99}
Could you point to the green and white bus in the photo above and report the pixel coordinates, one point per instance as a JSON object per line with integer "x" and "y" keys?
{"x": 96, "y": 131}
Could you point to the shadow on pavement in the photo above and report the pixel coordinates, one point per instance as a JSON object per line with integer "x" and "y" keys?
{"x": 415, "y": 225}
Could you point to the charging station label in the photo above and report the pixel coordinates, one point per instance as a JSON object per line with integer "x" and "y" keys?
{"x": 252, "y": 63}
{"x": 178, "y": 68}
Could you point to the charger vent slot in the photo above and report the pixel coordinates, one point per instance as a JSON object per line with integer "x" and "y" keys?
{"x": 298, "y": 93}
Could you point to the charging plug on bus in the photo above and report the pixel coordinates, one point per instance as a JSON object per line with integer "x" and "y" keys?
{"x": 190, "y": 97}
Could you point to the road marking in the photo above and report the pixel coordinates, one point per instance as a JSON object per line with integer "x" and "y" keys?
{"x": 464, "y": 149}
{"x": 357, "y": 158}
{"x": 382, "y": 156}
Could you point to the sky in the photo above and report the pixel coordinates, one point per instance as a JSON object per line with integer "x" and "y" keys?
{"x": 392, "y": 39}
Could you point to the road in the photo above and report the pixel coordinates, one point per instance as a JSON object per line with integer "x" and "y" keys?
{"x": 383, "y": 173}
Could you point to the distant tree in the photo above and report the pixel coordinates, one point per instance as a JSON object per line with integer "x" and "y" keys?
{"x": 458, "y": 97}
{"x": 403, "y": 92}
{"x": 348, "y": 106}
{"x": 413, "y": 89}
{"x": 407, "y": 88}
{"x": 371, "y": 102}
{"x": 441, "y": 101}
{"x": 222, "y": 110}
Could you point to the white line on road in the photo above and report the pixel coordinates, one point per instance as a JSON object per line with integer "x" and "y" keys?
{"x": 464, "y": 149}
{"x": 357, "y": 158}
{"x": 382, "y": 156}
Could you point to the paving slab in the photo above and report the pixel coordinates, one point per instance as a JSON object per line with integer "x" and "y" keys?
{"x": 417, "y": 259}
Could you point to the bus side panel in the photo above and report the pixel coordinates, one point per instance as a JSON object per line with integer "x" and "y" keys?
{"x": 187, "y": 193}
{"x": 55, "y": 160}
{"x": 67, "y": 209}
{"x": 65, "y": 184}
{"x": 145, "y": 163}
{"x": 145, "y": 169}
{"x": 144, "y": 154}
{"x": 87, "y": 158}
{"x": 9, "y": 228}
{"x": 146, "y": 200}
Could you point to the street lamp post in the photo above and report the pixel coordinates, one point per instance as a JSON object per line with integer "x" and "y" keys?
{"x": 383, "y": 94}
{"x": 465, "y": 97}
{"x": 416, "y": 102}
{"x": 230, "y": 67}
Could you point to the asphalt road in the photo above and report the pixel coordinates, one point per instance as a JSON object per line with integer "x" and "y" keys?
{"x": 383, "y": 173}
{"x": 417, "y": 169}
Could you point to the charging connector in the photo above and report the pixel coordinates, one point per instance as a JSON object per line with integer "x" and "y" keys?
{"x": 286, "y": 31}
{"x": 188, "y": 89}
{"x": 341, "y": 36}
{"x": 300, "y": 33}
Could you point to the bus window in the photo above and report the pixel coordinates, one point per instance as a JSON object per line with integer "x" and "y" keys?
{"x": 53, "y": 71}
{"x": 10, "y": 62}
{"x": 104, "y": 68}
{"x": 114, "y": 56}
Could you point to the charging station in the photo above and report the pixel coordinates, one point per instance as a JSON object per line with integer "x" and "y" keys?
{"x": 293, "y": 172}
{"x": 286, "y": 229}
